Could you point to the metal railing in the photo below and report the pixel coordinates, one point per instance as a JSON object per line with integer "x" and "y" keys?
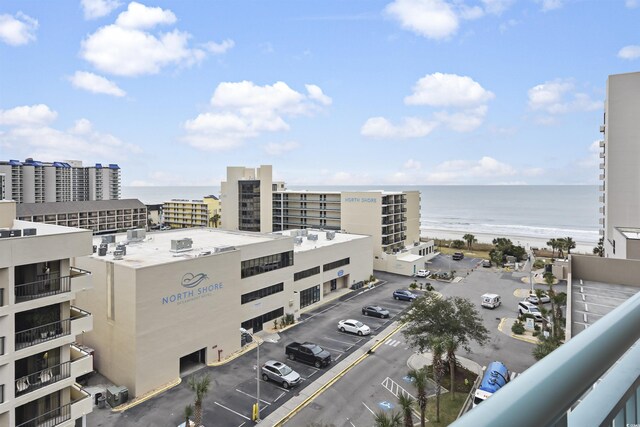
{"x": 542, "y": 395}
{"x": 43, "y": 378}
{"x": 42, "y": 288}
{"x": 51, "y": 418}
{"x": 40, "y": 334}
{"x": 77, "y": 313}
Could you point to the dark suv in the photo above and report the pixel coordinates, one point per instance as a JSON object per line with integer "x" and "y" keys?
{"x": 457, "y": 256}
{"x": 405, "y": 295}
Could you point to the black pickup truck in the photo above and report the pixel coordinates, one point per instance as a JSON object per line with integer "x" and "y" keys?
{"x": 309, "y": 353}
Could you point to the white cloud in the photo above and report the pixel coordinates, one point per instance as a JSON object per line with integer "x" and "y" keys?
{"x": 98, "y": 8}
{"x": 459, "y": 171}
{"x": 629, "y": 52}
{"x": 548, "y": 5}
{"x": 506, "y": 25}
{"x": 412, "y": 164}
{"x": 95, "y": 83}
{"x": 448, "y": 90}
{"x": 434, "y": 19}
{"x": 558, "y": 97}
{"x": 34, "y": 115}
{"x": 276, "y": 149}
{"x": 316, "y": 94}
{"x": 471, "y": 13}
{"x": 29, "y": 133}
{"x": 17, "y": 30}
{"x": 139, "y": 16}
{"x": 127, "y": 48}
{"x": 411, "y": 127}
{"x": 243, "y": 110}
{"x": 463, "y": 121}
{"x": 593, "y": 159}
{"x": 631, "y": 4}
{"x": 496, "y": 7}
{"x": 219, "y": 48}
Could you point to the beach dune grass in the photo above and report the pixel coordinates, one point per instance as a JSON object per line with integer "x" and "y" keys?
{"x": 478, "y": 250}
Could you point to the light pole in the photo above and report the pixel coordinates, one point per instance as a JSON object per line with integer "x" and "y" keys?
{"x": 257, "y": 411}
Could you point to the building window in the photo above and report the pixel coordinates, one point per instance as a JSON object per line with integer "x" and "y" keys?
{"x": 263, "y": 264}
{"x": 310, "y": 296}
{"x": 257, "y": 322}
{"x": 261, "y": 293}
{"x": 335, "y": 264}
{"x": 306, "y": 273}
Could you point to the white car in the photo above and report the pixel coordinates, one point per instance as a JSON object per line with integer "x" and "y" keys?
{"x": 423, "y": 273}
{"x": 525, "y": 307}
{"x": 533, "y": 298}
{"x": 354, "y": 327}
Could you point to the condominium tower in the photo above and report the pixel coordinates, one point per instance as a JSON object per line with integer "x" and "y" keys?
{"x": 247, "y": 193}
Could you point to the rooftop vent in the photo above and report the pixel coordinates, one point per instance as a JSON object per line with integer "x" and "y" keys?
{"x": 312, "y": 237}
{"x": 102, "y": 251}
{"x": 304, "y": 232}
{"x": 331, "y": 235}
{"x": 181, "y": 245}
{"x": 225, "y": 249}
{"x": 121, "y": 247}
{"x": 110, "y": 238}
{"x": 297, "y": 240}
{"x": 118, "y": 254}
{"x": 136, "y": 235}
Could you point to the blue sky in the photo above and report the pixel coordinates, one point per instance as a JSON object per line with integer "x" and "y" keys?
{"x": 328, "y": 92}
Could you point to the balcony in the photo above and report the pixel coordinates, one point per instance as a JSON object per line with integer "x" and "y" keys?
{"x": 81, "y": 361}
{"x": 81, "y": 321}
{"x": 42, "y": 288}
{"x": 42, "y": 378}
{"x": 44, "y": 333}
{"x": 80, "y": 405}
{"x": 601, "y": 361}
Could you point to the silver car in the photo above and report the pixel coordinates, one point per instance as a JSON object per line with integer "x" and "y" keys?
{"x": 280, "y": 373}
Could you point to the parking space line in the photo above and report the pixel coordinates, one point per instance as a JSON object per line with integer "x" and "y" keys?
{"x": 276, "y": 399}
{"x": 242, "y": 424}
{"x": 372, "y": 413}
{"x": 253, "y": 397}
{"x": 343, "y": 342}
{"x": 338, "y": 357}
{"x": 312, "y": 374}
{"x": 333, "y": 349}
{"x": 321, "y": 312}
{"x": 231, "y": 410}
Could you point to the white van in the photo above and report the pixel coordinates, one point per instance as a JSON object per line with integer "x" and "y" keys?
{"x": 491, "y": 300}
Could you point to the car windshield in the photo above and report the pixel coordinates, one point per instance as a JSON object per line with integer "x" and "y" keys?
{"x": 359, "y": 324}
{"x": 316, "y": 350}
{"x": 534, "y": 309}
{"x": 285, "y": 370}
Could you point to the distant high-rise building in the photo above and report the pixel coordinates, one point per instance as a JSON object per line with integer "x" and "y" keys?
{"x": 620, "y": 175}
{"x": 2, "y": 187}
{"x": 33, "y": 181}
{"x": 247, "y": 199}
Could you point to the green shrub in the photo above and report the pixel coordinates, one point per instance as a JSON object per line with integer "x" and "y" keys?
{"x": 372, "y": 278}
{"x": 536, "y": 333}
{"x": 429, "y": 287}
{"x": 517, "y": 328}
{"x": 414, "y": 285}
{"x": 458, "y": 244}
{"x": 536, "y": 327}
{"x": 538, "y": 264}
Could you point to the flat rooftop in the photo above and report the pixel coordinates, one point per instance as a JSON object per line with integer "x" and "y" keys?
{"x": 383, "y": 192}
{"x": 593, "y": 300}
{"x": 41, "y": 229}
{"x": 630, "y": 232}
{"x": 307, "y": 245}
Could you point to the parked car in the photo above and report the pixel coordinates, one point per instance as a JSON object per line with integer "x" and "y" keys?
{"x": 375, "y": 310}
{"x": 404, "y": 295}
{"x": 486, "y": 263}
{"x": 525, "y": 307}
{"x": 491, "y": 300}
{"x": 457, "y": 256}
{"x": 423, "y": 273}
{"x": 280, "y": 373}
{"x": 533, "y": 298}
{"x": 309, "y": 353}
{"x": 354, "y": 327}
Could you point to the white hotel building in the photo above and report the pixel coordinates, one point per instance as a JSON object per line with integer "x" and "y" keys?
{"x": 150, "y": 302}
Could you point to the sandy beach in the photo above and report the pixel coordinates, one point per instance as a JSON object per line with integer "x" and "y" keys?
{"x": 527, "y": 242}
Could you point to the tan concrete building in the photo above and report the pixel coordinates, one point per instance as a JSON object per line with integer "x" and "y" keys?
{"x": 246, "y": 197}
{"x": 180, "y": 297}
{"x": 620, "y": 174}
{"x": 39, "y": 361}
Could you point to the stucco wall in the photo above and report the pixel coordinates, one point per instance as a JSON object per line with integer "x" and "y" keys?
{"x": 608, "y": 270}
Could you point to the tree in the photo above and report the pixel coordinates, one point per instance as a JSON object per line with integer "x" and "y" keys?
{"x": 450, "y": 348}
{"x": 406, "y": 403}
{"x": 188, "y": 413}
{"x": 561, "y": 245}
{"x": 437, "y": 347}
{"x": 383, "y": 420}
{"x": 545, "y": 346}
{"x": 599, "y": 250}
{"x": 419, "y": 377}
{"x": 201, "y": 387}
{"x": 470, "y": 239}
{"x": 458, "y": 244}
{"x": 569, "y": 244}
{"x": 554, "y": 245}
{"x": 214, "y": 220}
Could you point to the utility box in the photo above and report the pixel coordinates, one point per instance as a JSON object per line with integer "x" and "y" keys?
{"x": 117, "y": 395}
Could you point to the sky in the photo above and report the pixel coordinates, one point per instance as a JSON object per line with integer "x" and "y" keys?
{"x": 332, "y": 92}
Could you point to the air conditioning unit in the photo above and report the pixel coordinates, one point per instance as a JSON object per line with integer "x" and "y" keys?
{"x": 136, "y": 235}
{"x": 312, "y": 237}
{"x": 297, "y": 240}
{"x": 121, "y": 247}
{"x": 118, "y": 254}
{"x": 181, "y": 245}
{"x": 111, "y": 238}
{"x": 102, "y": 251}
{"x": 303, "y": 232}
{"x": 331, "y": 235}
{"x": 219, "y": 249}
{"x": 117, "y": 395}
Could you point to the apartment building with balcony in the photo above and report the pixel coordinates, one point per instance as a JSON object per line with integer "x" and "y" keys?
{"x": 247, "y": 198}
{"x": 39, "y": 361}
{"x": 34, "y": 181}
{"x": 3, "y": 186}
{"x": 99, "y": 216}
{"x": 182, "y": 213}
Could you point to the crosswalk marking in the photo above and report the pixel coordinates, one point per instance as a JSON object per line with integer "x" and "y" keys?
{"x": 395, "y": 388}
{"x": 392, "y": 343}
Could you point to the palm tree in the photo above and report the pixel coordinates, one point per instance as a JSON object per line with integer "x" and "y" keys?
{"x": 562, "y": 245}
{"x": 392, "y": 420}
{"x": 450, "y": 347}
{"x": 599, "y": 250}
{"x": 188, "y": 413}
{"x": 554, "y": 244}
{"x": 201, "y": 387}
{"x": 214, "y": 220}
{"x": 470, "y": 239}
{"x": 570, "y": 244}
{"x": 549, "y": 278}
{"x": 406, "y": 403}
{"x": 419, "y": 377}
{"x": 437, "y": 347}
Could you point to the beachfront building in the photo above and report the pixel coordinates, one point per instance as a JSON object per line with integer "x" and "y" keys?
{"x": 183, "y": 213}
{"x": 99, "y": 216}
{"x": 620, "y": 175}
{"x": 247, "y": 197}
{"x": 2, "y": 186}
{"x": 34, "y": 181}
{"x": 39, "y": 360}
{"x": 392, "y": 218}
{"x": 179, "y": 297}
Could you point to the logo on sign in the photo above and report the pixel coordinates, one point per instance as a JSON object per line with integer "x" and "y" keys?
{"x": 191, "y": 280}
{"x": 340, "y": 273}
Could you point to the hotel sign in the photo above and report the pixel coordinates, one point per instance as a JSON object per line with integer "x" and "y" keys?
{"x": 197, "y": 286}
{"x": 360, "y": 200}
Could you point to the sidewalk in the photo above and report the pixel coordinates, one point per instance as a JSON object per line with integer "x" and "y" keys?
{"x": 505, "y": 327}
{"x": 419, "y": 360}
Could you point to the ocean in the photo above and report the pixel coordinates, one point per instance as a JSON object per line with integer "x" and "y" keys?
{"x": 527, "y": 211}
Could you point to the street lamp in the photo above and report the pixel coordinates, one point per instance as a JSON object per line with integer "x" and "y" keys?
{"x": 257, "y": 407}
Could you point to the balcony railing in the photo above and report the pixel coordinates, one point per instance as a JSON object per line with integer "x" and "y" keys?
{"x": 42, "y": 288}
{"x": 51, "y": 418}
{"x": 43, "y": 333}
{"x": 604, "y": 353}
{"x": 42, "y": 378}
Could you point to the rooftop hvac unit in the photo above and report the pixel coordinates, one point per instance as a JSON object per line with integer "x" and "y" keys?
{"x": 117, "y": 395}
{"x": 304, "y": 232}
{"x": 110, "y": 238}
{"x": 297, "y": 240}
{"x": 181, "y": 245}
{"x": 136, "y": 235}
{"x": 118, "y": 254}
{"x": 29, "y": 231}
{"x": 95, "y": 249}
{"x": 121, "y": 247}
{"x": 224, "y": 249}
{"x": 331, "y": 235}
{"x": 312, "y": 237}
{"x": 102, "y": 251}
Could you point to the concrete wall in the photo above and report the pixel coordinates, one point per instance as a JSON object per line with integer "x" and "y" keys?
{"x": 361, "y": 213}
{"x": 608, "y": 270}
{"x": 264, "y": 173}
{"x": 413, "y": 217}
